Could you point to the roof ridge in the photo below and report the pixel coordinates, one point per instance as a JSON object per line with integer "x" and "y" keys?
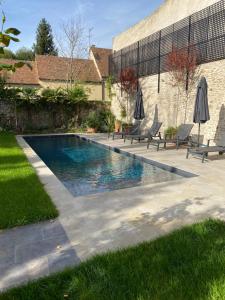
{"x": 12, "y": 59}
{"x": 60, "y": 57}
{"x": 110, "y": 49}
{"x": 57, "y": 68}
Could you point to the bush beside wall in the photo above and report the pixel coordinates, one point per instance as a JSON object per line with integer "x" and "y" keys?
{"x": 47, "y": 116}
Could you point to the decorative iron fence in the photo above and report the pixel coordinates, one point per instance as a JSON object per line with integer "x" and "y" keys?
{"x": 203, "y": 30}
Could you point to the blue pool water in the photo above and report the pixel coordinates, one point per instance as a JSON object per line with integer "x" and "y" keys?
{"x": 88, "y": 168}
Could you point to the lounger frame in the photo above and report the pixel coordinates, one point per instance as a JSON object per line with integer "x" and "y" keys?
{"x": 182, "y": 137}
{"x": 205, "y": 150}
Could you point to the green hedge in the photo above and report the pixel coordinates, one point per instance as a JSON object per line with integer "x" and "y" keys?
{"x": 32, "y": 96}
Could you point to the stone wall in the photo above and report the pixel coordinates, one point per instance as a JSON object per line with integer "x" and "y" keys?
{"x": 168, "y": 13}
{"x": 169, "y": 109}
{"x": 166, "y": 106}
{"x": 56, "y": 116}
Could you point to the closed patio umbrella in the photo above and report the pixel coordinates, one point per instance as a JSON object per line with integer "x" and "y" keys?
{"x": 201, "y": 110}
{"x": 139, "y": 113}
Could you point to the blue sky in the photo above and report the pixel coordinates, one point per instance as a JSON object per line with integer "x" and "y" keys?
{"x": 107, "y": 18}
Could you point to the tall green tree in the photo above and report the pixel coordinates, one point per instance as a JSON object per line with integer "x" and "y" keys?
{"x": 44, "y": 39}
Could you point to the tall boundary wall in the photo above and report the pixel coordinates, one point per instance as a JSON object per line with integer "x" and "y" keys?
{"x": 168, "y": 106}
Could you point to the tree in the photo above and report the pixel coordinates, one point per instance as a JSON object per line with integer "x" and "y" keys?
{"x": 184, "y": 71}
{"x": 24, "y": 54}
{"x": 128, "y": 80}
{"x": 44, "y": 39}
{"x": 72, "y": 44}
{"x": 128, "y": 83}
{"x": 6, "y": 36}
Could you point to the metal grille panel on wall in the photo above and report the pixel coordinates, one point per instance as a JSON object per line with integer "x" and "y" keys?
{"x": 204, "y": 30}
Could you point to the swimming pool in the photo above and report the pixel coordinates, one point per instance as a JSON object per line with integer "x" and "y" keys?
{"x": 89, "y": 168}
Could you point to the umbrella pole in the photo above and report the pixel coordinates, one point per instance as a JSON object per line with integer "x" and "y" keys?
{"x": 199, "y": 129}
{"x": 127, "y": 109}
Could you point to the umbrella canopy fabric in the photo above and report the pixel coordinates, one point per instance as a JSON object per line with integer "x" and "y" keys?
{"x": 201, "y": 111}
{"x": 139, "y": 113}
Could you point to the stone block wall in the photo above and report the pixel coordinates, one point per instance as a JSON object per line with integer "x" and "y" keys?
{"x": 56, "y": 116}
{"x": 168, "y": 13}
{"x": 168, "y": 108}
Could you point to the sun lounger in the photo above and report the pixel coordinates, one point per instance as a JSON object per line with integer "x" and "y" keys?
{"x": 205, "y": 150}
{"x": 133, "y": 130}
{"x": 153, "y": 132}
{"x": 182, "y": 137}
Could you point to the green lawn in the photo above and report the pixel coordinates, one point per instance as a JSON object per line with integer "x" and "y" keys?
{"x": 23, "y": 199}
{"x": 187, "y": 264}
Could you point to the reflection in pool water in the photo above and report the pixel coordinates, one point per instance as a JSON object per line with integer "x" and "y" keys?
{"x": 87, "y": 168}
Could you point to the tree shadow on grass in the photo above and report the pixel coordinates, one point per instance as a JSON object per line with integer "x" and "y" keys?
{"x": 23, "y": 200}
{"x": 185, "y": 265}
{"x": 15, "y": 158}
{"x": 15, "y": 162}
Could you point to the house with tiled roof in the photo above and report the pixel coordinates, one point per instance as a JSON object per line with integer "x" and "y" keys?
{"x": 25, "y": 76}
{"x": 54, "y": 72}
{"x": 100, "y": 56}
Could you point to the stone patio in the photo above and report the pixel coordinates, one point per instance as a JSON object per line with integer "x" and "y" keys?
{"x": 97, "y": 223}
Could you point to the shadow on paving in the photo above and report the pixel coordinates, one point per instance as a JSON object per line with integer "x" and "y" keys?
{"x": 33, "y": 251}
{"x": 127, "y": 219}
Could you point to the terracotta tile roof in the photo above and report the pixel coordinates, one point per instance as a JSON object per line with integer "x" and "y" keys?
{"x": 102, "y": 59}
{"x": 23, "y": 75}
{"x": 57, "y": 68}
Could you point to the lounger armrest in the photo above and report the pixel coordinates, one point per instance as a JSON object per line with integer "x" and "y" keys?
{"x": 156, "y": 136}
{"x": 192, "y": 143}
{"x": 209, "y": 141}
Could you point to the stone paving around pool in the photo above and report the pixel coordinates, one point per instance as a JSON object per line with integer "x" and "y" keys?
{"x": 96, "y": 223}
{"x": 32, "y": 251}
